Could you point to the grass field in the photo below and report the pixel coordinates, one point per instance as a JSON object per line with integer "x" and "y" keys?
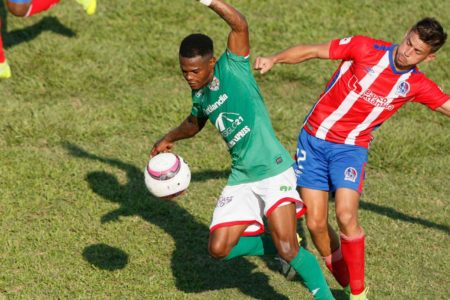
{"x": 89, "y": 97}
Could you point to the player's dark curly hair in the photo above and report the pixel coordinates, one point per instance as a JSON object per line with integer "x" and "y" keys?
{"x": 196, "y": 44}
{"x": 430, "y": 31}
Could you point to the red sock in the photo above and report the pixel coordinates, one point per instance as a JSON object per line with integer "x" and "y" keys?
{"x": 336, "y": 264}
{"x": 353, "y": 253}
{"x": 38, "y": 6}
{"x": 2, "y": 52}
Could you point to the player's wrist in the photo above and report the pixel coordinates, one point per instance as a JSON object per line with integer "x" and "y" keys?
{"x": 206, "y": 2}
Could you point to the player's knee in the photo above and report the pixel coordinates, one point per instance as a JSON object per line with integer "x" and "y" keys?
{"x": 288, "y": 250}
{"x": 18, "y": 9}
{"x": 218, "y": 249}
{"x": 347, "y": 220}
{"x": 316, "y": 225}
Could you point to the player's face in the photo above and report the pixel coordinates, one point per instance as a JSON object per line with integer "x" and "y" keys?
{"x": 198, "y": 71}
{"x": 411, "y": 52}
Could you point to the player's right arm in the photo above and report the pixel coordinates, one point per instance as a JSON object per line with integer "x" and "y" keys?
{"x": 238, "y": 38}
{"x": 293, "y": 55}
{"x": 187, "y": 129}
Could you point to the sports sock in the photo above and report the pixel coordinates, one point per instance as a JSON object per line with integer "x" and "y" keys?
{"x": 353, "y": 253}
{"x": 253, "y": 246}
{"x": 2, "y": 52}
{"x": 38, "y": 6}
{"x": 306, "y": 265}
{"x": 336, "y": 264}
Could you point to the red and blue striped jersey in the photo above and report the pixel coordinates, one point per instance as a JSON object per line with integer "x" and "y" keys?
{"x": 365, "y": 91}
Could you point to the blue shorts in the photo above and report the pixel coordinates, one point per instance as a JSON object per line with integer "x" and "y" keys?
{"x": 327, "y": 166}
{"x": 20, "y": 1}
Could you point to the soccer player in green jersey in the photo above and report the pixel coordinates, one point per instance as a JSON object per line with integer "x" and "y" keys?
{"x": 262, "y": 181}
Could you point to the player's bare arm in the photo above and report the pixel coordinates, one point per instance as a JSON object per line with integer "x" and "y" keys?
{"x": 187, "y": 129}
{"x": 293, "y": 55}
{"x": 238, "y": 39}
{"x": 444, "y": 108}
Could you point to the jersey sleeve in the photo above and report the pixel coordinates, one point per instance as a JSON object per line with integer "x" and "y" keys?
{"x": 431, "y": 95}
{"x": 197, "y": 110}
{"x": 238, "y": 65}
{"x": 349, "y": 48}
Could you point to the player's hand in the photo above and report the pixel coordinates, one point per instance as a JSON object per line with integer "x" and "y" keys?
{"x": 162, "y": 145}
{"x": 263, "y": 64}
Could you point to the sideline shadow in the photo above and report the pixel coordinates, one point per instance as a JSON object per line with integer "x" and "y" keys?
{"x": 192, "y": 267}
{"x": 18, "y": 36}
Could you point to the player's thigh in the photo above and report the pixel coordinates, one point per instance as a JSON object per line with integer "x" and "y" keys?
{"x": 347, "y": 167}
{"x": 18, "y": 8}
{"x": 311, "y": 166}
{"x": 316, "y": 202}
{"x": 283, "y": 224}
{"x": 226, "y": 237}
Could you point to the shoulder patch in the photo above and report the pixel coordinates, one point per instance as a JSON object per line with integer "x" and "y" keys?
{"x": 345, "y": 41}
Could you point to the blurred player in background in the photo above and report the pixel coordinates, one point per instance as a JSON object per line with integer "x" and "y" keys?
{"x": 28, "y": 8}
{"x": 374, "y": 79}
{"x": 262, "y": 179}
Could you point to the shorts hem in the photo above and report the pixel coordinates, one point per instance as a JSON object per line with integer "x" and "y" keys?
{"x": 232, "y": 223}
{"x": 298, "y": 214}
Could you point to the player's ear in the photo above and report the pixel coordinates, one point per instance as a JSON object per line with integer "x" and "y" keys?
{"x": 212, "y": 62}
{"x": 430, "y": 57}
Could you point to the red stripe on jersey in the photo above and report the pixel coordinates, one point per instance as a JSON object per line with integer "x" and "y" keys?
{"x": 365, "y": 91}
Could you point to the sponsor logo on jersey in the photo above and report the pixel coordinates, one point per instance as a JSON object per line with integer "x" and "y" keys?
{"x": 376, "y": 100}
{"x": 228, "y": 122}
{"x": 345, "y": 41}
{"x": 224, "y": 201}
{"x": 350, "y": 174}
{"x": 243, "y": 132}
{"x": 402, "y": 89}
{"x": 214, "y": 85}
{"x": 216, "y": 105}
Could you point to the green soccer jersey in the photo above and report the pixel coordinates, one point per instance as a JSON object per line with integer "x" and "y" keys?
{"x": 233, "y": 103}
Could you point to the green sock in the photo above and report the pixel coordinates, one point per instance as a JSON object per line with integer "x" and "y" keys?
{"x": 252, "y": 246}
{"x": 306, "y": 265}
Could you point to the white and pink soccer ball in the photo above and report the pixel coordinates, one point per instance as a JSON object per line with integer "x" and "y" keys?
{"x": 167, "y": 175}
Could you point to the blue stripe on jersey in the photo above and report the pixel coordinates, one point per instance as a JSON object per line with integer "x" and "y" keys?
{"x": 20, "y": 1}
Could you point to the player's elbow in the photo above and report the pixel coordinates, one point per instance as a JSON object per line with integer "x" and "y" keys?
{"x": 241, "y": 25}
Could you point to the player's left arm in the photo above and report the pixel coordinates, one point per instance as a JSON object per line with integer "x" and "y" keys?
{"x": 444, "y": 108}
{"x": 238, "y": 38}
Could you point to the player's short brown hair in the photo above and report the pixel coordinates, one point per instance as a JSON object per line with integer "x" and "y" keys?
{"x": 430, "y": 31}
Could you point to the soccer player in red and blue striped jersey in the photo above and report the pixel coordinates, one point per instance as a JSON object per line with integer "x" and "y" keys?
{"x": 375, "y": 78}
{"x": 28, "y": 8}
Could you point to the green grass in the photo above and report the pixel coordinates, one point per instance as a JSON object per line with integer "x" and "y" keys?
{"x": 89, "y": 97}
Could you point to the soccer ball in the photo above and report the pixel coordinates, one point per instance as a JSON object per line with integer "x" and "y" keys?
{"x": 167, "y": 175}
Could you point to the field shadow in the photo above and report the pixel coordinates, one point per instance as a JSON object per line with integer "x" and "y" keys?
{"x": 23, "y": 35}
{"x": 192, "y": 267}
{"x": 397, "y": 215}
{"x": 105, "y": 257}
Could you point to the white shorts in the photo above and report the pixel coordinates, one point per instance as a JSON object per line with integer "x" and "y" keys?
{"x": 247, "y": 203}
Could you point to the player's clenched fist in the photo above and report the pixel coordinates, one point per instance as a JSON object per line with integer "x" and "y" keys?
{"x": 263, "y": 64}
